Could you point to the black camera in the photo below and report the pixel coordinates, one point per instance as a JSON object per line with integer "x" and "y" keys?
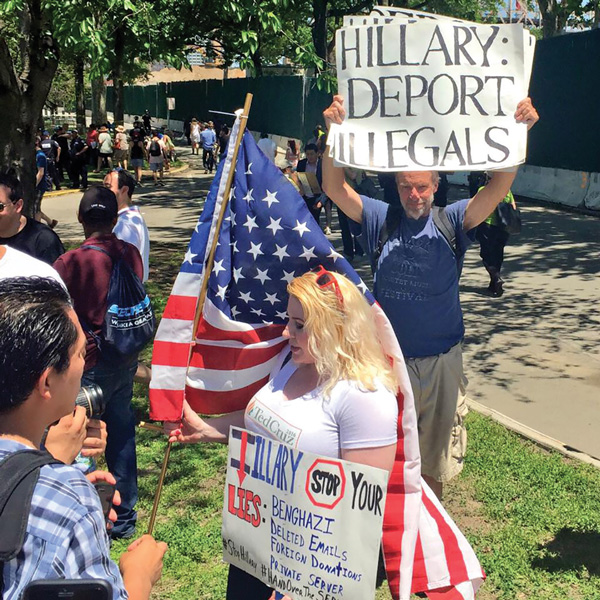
{"x": 92, "y": 399}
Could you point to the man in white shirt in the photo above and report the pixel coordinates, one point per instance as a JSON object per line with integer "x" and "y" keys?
{"x": 130, "y": 226}
{"x": 268, "y": 147}
{"x": 14, "y": 263}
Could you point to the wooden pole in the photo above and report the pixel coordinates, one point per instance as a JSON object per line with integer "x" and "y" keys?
{"x": 207, "y": 270}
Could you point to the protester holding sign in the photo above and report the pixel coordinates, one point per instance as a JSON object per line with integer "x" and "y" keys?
{"x": 335, "y": 397}
{"x": 416, "y": 284}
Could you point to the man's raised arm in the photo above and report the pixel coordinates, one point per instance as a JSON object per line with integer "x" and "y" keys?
{"x": 485, "y": 201}
{"x": 334, "y": 181}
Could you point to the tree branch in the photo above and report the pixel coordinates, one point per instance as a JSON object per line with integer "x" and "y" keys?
{"x": 351, "y": 10}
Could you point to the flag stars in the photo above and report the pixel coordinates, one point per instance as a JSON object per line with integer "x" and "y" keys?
{"x": 255, "y": 250}
{"x": 234, "y": 312}
{"x": 246, "y": 297}
{"x": 334, "y": 255}
{"x": 222, "y": 291}
{"x": 232, "y": 193}
{"x": 250, "y": 223}
{"x": 237, "y": 274}
{"x": 280, "y": 252}
{"x": 270, "y": 198}
{"x": 274, "y": 225}
{"x": 218, "y": 267}
{"x": 262, "y": 275}
{"x": 301, "y": 228}
{"x": 257, "y": 311}
{"x": 272, "y": 298}
{"x": 308, "y": 253}
{"x": 248, "y": 197}
{"x": 362, "y": 287}
{"x": 234, "y": 246}
{"x": 287, "y": 277}
{"x": 189, "y": 256}
{"x": 248, "y": 170}
{"x": 281, "y": 315}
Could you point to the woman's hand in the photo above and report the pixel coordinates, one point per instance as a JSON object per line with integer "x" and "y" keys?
{"x": 192, "y": 428}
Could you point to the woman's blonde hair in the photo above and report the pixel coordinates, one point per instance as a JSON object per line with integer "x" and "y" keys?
{"x": 342, "y": 337}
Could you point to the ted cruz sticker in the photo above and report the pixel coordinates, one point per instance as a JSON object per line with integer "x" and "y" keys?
{"x": 325, "y": 483}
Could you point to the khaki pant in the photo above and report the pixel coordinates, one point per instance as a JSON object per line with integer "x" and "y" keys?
{"x": 439, "y": 386}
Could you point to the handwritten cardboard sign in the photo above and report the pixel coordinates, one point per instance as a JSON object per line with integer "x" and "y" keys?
{"x": 431, "y": 94}
{"x": 306, "y": 525}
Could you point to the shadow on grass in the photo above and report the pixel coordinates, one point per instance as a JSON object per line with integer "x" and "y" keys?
{"x": 571, "y": 550}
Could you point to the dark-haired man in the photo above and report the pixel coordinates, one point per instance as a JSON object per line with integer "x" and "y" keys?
{"x": 42, "y": 350}
{"x": 20, "y": 232}
{"x": 130, "y": 226}
{"x": 311, "y": 185}
{"x": 416, "y": 283}
{"x": 86, "y": 272}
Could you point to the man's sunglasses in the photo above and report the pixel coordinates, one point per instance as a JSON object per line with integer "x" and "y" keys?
{"x": 326, "y": 279}
{"x": 3, "y": 207}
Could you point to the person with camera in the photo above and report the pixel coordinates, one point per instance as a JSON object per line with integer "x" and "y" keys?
{"x": 42, "y": 354}
{"x": 87, "y": 272}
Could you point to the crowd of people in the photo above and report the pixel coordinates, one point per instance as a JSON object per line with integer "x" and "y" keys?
{"x": 333, "y": 381}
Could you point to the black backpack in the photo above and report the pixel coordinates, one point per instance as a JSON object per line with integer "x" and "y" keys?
{"x": 392, "y": 221}
{"x": 155, "y": 149}
{"x": 129, "y": 321}
{"x": 19, "y": 473}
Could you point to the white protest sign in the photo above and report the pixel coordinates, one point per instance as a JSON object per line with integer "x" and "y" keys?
{"x": 432, "y": 94}
{"x": 307, "y": 526}
{"x": 382, "y": 15}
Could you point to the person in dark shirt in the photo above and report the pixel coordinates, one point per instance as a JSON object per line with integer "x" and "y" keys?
{"x": 21, "y": 233}
{"x": 79, "y": 160}
{"x": 52, "y": 151}
{"x": 61, "y": 136}
{"x": 86, "y": 272}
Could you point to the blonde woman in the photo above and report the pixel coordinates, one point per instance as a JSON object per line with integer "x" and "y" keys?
{"x": 195, "y": 131}
{"x": 337, "y": 390}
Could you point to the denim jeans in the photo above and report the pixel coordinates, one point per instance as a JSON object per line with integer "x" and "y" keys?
{"x": 117, "y": 386}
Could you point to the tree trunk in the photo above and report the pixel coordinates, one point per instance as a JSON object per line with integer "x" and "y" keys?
{"x": 23, "y": 93}
{"x": 80, "y": 95}
{"x": 99, "y": 100}
{"x": 117, "y": 75}
{"x": 319, "y": 28}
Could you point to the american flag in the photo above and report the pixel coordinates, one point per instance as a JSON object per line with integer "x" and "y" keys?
{"x": 267, "y": 238}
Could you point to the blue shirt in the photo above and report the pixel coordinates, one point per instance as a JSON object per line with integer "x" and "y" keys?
{"x": 416, "y": 282}
{"x": 42, "y": 161}
{"x": 66, "y": 533}
{"x": 208, "y": 139}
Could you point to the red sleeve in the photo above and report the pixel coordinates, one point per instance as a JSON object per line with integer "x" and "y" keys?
{"x": 61, "y": 268}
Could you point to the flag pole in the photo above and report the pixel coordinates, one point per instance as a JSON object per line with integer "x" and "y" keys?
{"x": 203, "y": 290}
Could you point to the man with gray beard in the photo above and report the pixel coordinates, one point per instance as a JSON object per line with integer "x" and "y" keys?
{"x": 417, "y": 255}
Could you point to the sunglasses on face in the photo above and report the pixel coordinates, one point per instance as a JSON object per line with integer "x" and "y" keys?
{"x": 3, "y": 207}
{"x": 326, "y": 279}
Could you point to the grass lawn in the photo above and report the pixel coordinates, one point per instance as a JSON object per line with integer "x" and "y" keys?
{"x": 532, "y": 516}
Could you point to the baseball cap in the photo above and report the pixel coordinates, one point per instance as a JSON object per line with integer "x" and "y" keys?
{"x": 98, "y": 204}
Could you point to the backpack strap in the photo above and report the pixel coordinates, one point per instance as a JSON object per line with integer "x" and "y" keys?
{"x": 19, "y": 473}
{"x": 391, "y": 223}
{"x": 444, "y": 226}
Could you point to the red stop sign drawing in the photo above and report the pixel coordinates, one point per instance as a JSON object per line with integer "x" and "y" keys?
{"x": 325, "y": 483}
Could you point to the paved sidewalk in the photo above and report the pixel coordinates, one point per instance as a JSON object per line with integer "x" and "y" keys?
{"x": 532, "y": 355}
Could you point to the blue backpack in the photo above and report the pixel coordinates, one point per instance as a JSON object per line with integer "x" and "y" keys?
{"x": 129, "y": 321}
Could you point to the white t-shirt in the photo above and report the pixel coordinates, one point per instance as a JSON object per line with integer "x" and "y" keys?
{"x": 350, "y": 418}
{"x": 132, "y": 228}
{"x": 18, "y": 264}
{"x": 269, "y": 148}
